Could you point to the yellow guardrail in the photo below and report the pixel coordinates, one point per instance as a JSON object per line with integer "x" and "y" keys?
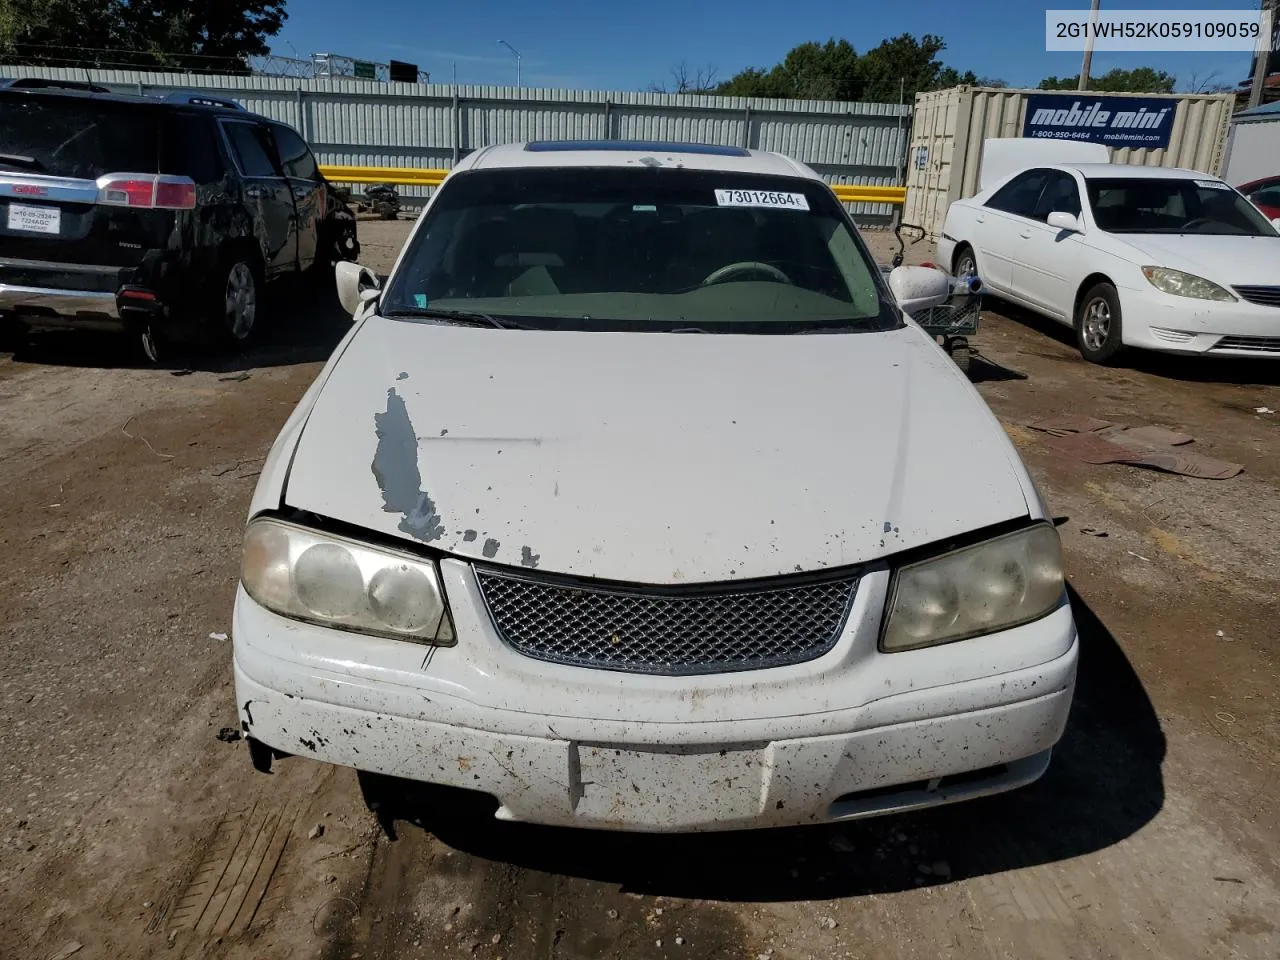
{"x": 430, "y": 177}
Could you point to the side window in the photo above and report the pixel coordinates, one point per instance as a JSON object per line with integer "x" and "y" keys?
{"x": 252, "y": 148}
{"x": 295, "y": 156}
{"x": 1061, "y": 195}
{"x": 1268, "y": 196}
{"x": 1020, "y": 194}
{"x": 189, "y": 149}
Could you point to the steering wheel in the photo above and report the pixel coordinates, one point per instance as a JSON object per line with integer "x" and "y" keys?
{"x": 1191, "y": 223}
{"x": 747, "y": 267}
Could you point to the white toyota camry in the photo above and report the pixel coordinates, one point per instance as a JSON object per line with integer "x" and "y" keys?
{"x": 633, "y": 501}
{"x": 1162, "y": 259}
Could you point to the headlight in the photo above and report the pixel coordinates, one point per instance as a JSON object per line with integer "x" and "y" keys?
{"x": 1185, "y": 284}
{"x": 307, "y": 575}
{"x": 980, "y": 589}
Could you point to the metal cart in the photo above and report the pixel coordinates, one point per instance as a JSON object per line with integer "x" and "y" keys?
{"x": 952, "y": 323}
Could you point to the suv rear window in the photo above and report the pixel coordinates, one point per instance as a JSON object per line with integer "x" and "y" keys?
{"x": 76, "y": 136}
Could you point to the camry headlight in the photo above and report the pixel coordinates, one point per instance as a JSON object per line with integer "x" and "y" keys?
{"x": 1185, "y": 284}
{"x": 307, "y": 575}
{"x": 990, "y": 586}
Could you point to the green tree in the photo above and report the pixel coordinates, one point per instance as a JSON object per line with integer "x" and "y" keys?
{"x": 215, "y": 35}
{"x": 1138, "y": 80}
{"x": 911, "y": 65}
{"x": 899, "y": 66}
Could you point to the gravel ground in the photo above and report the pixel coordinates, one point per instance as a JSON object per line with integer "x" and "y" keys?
{"x": 128, "y": 829}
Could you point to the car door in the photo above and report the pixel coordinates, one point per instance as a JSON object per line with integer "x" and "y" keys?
{"x": 999, "y": 225}
{"x": 266, "y": 193}
{"x": 307, "y": 186}
{"x": 1045, "y": 267}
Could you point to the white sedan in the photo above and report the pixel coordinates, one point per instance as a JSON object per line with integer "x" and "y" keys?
{"x": 1162, "y": 259}
{"x": 633, "y": 501}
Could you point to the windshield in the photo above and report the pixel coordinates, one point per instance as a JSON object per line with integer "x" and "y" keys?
{"x": 640, "y": 248}
{"x": 1163, "y": 205}
{"x": 79, "y": 137}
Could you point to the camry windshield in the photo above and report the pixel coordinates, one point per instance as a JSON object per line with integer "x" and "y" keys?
{"x": 1167, "y": 205}
{"x": 640, "y": 248}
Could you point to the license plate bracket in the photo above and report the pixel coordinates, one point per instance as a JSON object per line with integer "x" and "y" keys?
{"x": 670, "y": 786}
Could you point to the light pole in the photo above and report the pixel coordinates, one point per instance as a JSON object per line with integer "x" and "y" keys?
{"x": 1083, "y": 83}
{"x": 517, "y": 55}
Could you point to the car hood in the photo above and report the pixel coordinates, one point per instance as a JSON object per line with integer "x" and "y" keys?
{"x": 1225, "y": 260}
{"x": 653, "y": 457}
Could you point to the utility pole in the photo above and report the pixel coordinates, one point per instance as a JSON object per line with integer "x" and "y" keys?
{"x": 1083, "y": 83}
{"x": 1263, "y": 55}
{"x": 517, "y": 55}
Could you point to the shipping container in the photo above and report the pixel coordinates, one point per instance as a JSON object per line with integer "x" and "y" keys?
{"x": 1253, "y": 145}
{"x": 949, "y": 127}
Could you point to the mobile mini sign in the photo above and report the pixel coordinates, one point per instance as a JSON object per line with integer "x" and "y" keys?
{"x": 1145, "y": 122}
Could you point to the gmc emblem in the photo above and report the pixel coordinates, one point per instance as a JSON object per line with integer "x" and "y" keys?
{"x": 30, "y": 190}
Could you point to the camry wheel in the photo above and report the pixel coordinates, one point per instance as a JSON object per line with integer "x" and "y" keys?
{"x": 966, "y": 263}
{"x": 1098, "y": 324}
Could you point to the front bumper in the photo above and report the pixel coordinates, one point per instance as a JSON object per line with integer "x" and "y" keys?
{"x": 854, "y": 733}
{"x": 1158, "y": 321}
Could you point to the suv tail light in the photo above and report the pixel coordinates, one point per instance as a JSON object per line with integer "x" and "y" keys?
{"x": 147, "y": 191}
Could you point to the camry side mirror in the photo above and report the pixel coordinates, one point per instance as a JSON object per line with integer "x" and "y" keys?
{"x": 1065, "y": 221}
{"x": 357, "y": 285}
{"x": 919, "y": 288}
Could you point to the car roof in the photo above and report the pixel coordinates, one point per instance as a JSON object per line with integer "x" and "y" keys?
{"x": 170, "y": 101}
{"x": 1130, "y": 171}
{"x": 627, "y": 153}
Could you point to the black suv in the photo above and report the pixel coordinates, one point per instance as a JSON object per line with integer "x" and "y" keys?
{"x": 161, "y": 217}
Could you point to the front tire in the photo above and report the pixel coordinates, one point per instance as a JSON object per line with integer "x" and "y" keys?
{"x": 966, "y": 264}
{"x": 1098, "y": 324}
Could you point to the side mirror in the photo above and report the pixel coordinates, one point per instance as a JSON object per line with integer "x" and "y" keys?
{"x": 919, "y": 288}
{"x": 1065, "y": 221}
{"x": 357, "y": 285}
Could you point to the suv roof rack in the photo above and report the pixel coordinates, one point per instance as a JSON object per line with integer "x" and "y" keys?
{"x": 199, "y": 99}
{"x": 42, "y": 83}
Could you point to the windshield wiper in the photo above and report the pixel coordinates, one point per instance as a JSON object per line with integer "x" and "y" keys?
{"x": 841, "y": 326}
{"x": 18, "y": 160}
{"x": 464, "y": 317}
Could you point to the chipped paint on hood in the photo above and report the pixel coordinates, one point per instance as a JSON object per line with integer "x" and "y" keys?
{"x": 653, "y": 457}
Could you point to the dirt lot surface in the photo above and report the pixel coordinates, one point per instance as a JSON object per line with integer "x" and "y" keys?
{"x": 127, "y": 829}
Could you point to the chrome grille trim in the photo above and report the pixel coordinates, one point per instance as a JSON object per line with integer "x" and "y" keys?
{"x": 673, "y": 631}
{"x": 1252, "y": 344}
{"x": 1263, "y": 295}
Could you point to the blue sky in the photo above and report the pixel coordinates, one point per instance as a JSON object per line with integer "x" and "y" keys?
{"x": 596, "y": 44}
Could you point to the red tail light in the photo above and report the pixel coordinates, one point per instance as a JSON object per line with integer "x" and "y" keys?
{"x": 122, "y": 190}
{"x": 175, "y": 193}
{"x": 147, "y": 191}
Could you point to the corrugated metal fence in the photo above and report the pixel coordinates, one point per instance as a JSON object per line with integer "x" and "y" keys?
{"x": 365, "y": 123}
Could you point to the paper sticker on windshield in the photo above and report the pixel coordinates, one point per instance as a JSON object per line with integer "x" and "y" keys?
{"x": 761, "y": 198}
{"x": 1213, "y": 184}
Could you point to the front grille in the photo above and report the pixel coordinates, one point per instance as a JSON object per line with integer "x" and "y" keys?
{"x": 1267, "y": 296}
{"x": 713, "y": 629}
{"x": 1252, "y": 344}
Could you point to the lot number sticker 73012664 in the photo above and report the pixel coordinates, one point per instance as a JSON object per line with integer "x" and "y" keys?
{"x": 761, "y": 198}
